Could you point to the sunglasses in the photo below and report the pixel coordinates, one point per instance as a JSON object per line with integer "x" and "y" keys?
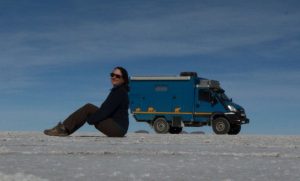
{"x": 115, "y": 75}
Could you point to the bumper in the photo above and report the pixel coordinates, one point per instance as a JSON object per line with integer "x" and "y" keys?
{"x": 236, "y": 118}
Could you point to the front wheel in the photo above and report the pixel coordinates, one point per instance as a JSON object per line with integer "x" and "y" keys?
{"x": 234, "y": 129}
{"x": 161, "y": 126}
{"x": 220, "y": 125}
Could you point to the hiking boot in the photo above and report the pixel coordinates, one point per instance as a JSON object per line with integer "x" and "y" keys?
{"x": 58, "y": 130}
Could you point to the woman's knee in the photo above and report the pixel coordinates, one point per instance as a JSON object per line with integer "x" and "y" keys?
{"x": 90, "y": 106}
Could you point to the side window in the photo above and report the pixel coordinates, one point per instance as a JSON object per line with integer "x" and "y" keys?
{"x": 204, "y": 95}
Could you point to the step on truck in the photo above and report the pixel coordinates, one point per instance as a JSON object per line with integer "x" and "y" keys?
{"x": 169, "y": 103}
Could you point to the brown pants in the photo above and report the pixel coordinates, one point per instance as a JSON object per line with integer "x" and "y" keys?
{"x": 77, "y": 119}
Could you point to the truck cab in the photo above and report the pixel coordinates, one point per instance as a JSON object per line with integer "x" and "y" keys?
{"x": 226, "y": 117}
{"x": 169, "y": 103}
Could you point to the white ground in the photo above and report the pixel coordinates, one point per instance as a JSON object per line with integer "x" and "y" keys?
{"x": 91, "y": 156}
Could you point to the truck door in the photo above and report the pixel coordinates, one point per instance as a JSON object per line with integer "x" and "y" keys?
{"x": 203, "y": 105}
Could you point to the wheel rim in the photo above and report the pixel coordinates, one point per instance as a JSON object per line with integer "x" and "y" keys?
{"x": 220, "y": 126}
{"x": 161, "y": 126}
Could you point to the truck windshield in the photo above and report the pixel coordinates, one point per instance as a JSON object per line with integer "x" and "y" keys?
{"x": 221, "y": 94}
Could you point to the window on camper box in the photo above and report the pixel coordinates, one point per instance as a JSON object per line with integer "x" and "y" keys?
{"x": 204, "y": 95}
{"x": 161, "y": 88}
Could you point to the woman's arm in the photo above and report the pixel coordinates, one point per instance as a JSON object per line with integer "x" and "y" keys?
{"x": 108, "y": 107}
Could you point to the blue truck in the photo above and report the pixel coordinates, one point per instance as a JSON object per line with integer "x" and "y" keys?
{"x": 169, "y": 103}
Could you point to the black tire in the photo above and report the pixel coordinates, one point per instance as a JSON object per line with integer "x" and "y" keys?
{"x": 175, "y": 130}
{"x": 161, "y": 126}
{"x": 234, "y": 129}
{"x": 220, "y": 125}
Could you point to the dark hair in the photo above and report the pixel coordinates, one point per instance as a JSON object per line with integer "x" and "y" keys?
{"x": 125, "y": 77}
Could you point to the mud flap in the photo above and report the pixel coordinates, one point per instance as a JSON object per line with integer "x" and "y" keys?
{"x": 176, "y": 122}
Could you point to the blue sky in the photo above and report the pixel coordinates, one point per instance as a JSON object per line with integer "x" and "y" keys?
{"x": 56, "y": 55}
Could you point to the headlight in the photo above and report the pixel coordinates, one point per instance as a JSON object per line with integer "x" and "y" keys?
{"x": 231, "y": 108}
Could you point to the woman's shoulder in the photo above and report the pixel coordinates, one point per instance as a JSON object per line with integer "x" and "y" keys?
{"x": 121, "y": 88}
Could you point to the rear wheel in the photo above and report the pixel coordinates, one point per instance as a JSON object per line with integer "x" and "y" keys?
{"x": 175, "y": 130}
{"x": 220, "y": 125}
{"x": 161, "y": 126}
{"x": 234, "y": 129}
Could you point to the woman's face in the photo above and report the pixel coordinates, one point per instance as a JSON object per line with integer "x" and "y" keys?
{"x": 116, "y": 77}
